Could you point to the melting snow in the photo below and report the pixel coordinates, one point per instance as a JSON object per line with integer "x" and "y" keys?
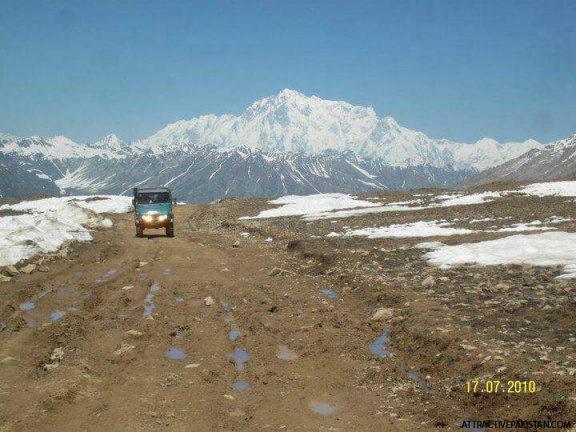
{"x": 50, "y": 223}
{"x": 416, "y": 229}
{"x": 563, "y": 188}
{"x": 545, "y": 249}
{"x": 295, "y": 205}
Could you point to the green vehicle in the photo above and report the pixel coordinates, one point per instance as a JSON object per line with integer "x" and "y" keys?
{"x": 153, "y": 209}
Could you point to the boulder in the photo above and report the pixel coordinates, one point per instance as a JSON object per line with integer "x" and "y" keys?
{"x": 30, "y": 268}
{"x": 382, "y": 314}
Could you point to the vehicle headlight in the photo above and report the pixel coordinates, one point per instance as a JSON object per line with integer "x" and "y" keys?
{"x": 162, "y": 218}
{"x": 147, "y": 218}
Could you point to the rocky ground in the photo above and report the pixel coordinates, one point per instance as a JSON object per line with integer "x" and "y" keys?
{"x": 269, "y": 324}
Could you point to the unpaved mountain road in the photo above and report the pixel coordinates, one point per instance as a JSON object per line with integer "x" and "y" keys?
{"x": 112, "y": 378}
{"x": 300, "y": 340}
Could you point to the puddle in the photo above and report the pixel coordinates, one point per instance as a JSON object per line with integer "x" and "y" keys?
{"x": 180, "y": 299}
{"x": 226, "y": 306}
{"x": 241, "y": 386}
{"x": 233, "y": 335}
{"x": 155, "y": 287}
{"x": 27, "y": 306}
{"x": 175, "y": 354}
{"x": 166, "y": 271}
{"x": 422, "y": 383}
{"x": 322, "y": 408}
{"x": 109, "y": 273}
{"x": 240, "y": 357}
{"x": 329, "y": 293}
{"x": 285, "y": 353}
{"x": 57, "y": 315}
{"x": 149, "y": 305}
{"x": 379, "y": 347}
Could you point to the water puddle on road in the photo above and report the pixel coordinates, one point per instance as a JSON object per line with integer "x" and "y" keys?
{"x": 27, "y": 306}
{"x": 380, "y": 348}
{"x": 240, "y": 357}
{"x": 175, "y": 354}
{"x": 322, "y": 408}
{"x": 155, "y": 287}
{"x": 233, "y": 335}
{"x": 329, "y": 293}
{"x": 109, "y": 273}
{"x": 55, "y": 316}
{"x": 180, "y": 299}
{"x": 285, "y": 353}
{"x": 149, "y": 306}
{"x": 225, "y": 306}
{"x": 241, "y": 386}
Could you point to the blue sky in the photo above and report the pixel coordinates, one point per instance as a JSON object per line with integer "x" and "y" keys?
{"x": 453, "y": 69}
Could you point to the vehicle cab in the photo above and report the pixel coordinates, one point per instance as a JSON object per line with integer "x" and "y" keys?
{"x": 153, "y": 208}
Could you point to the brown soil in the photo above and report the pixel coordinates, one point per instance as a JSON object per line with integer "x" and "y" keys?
{"x": 109, "y": 379}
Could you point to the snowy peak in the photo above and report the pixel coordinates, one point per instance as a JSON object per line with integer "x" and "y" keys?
{"x": 291, "y": 121}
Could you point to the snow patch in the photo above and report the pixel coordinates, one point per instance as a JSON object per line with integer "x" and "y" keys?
{"x": 545, "y": 250}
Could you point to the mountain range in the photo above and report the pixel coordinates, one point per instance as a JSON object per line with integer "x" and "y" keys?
{"x": 284, "y": 144}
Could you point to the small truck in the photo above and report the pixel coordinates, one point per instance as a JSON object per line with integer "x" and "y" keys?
{"x": 153, "y": 208}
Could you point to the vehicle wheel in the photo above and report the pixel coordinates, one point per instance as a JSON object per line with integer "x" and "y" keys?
{"x": 170, "y": 230}
{"x": 139, "y": 231}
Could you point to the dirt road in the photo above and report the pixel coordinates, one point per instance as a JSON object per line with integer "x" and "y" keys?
{"x": 199, "y": 332}
{"x": 130, "y": 304}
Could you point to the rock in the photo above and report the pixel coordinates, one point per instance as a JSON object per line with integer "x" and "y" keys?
{"x": 134, "y": 333}
{"x": 44, "y": 269}
{"x": 468, "y": 347}
{"x": 236, "y": 244}
{"x": 229, "y": 397}
{"x": 141, "y": 264}
{"x": 429, "y": 282}
{"x": 208, "y": 301}
{"x": 55, "y": 358}
{"x": 5, "y": 278}
{"x": 127, "y": 287}
{"x": 11, "y": 270}
{"x": 192, "y": 365}
{"x": 7, "y": 360}
{"x": 276, "y": 271}
{"x": 382, "y": 314}
{"x": 502, "y": 286}
{"x": 2, "y": 326}
{"x": 30, "y": 268}
{"x": 123, "y": 349}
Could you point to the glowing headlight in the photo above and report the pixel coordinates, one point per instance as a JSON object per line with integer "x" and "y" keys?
{"x": 147, "y": 218}
{"x": 162, "y": 218}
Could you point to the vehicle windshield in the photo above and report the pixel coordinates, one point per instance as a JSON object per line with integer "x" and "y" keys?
{"x": 153, "y": 198}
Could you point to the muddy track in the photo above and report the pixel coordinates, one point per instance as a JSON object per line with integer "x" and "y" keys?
{"x": 110, "y": 343}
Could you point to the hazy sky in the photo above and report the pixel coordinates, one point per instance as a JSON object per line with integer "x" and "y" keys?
{"x": 453, "y": 69}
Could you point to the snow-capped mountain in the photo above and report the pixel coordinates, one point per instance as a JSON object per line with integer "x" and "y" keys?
{"x": 556, "y": 161}
{"x": 287, "y": 141}
{"x": 207, "y": 173}
{"x": 290, "y": 121}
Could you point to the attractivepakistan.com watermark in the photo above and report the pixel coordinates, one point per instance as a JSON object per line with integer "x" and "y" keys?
{"x": 516, "y": 424}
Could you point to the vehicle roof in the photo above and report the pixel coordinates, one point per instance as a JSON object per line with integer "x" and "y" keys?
{"x": 152, "y": 189}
